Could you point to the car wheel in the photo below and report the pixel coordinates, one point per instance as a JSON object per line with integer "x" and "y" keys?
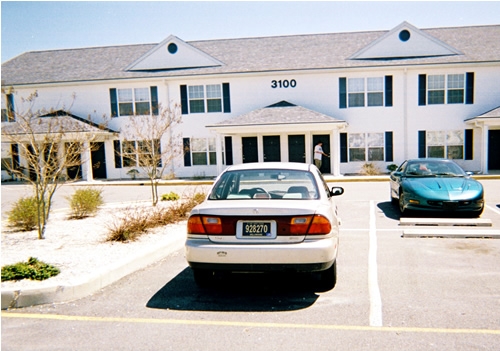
{"x": 328, "y": 278}
{"x": 203, "y": 278}
{"x": 402, "y": 208}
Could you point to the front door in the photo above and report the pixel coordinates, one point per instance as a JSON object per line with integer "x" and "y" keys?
{"x": 98, "y": 160}
{"x": 297, "y": 148}
{"x": 250, "y": 150}
{"x": 493, "y": 147}
{"x": 272, "y": 150}
{"x": 325, "y": 161}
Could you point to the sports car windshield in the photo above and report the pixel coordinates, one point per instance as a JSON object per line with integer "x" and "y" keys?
{"x": 265, "y": 184}
{"x": 434, "y": 168}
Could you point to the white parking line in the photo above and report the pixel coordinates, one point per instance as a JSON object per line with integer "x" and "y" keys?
{"x": 493, "y": 209}
{"x": 373, "y": 288}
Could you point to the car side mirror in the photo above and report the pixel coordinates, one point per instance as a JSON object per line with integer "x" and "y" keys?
{"x": 336, "y": 191}
{"x": 397, "y": 174}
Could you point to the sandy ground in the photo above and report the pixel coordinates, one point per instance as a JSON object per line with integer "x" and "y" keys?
{"x": 78, "y": 247}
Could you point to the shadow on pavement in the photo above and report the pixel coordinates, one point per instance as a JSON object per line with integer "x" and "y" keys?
{"x": 237, "y": 293}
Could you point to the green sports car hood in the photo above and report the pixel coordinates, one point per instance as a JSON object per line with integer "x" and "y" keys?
{"x": 445, "y": 188}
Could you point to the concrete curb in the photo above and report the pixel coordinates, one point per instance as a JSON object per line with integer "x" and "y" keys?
{"x": 58, "y": 293}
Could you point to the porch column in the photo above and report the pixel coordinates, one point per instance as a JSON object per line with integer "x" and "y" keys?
{"x": 335, "y": 152}
{"x": 484, "y": 151}
{"x": 87, "y": 162}
{"x": 219, "y": 154}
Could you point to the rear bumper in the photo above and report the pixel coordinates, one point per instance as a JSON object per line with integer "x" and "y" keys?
{"x": 307, "y": 256}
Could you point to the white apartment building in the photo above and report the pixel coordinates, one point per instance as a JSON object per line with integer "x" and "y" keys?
{"x": 371, "y": 97}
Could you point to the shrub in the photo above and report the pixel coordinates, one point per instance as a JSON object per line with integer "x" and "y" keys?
{"x": 171, "y": 196}
{"x": 392, "y": 167}
{"x": 369, "y": 169}
{"x": 33, "y": 269}
{"x": 23, "y": 214}
{"x": 85, "y": 202}
{"x": 138, "y": 221}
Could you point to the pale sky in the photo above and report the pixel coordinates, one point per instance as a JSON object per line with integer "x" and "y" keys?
{"x": 48, "y": 25}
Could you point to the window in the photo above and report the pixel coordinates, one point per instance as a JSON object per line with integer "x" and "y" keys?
{"x": 443, "y": 144}
{"x": 446, "y": 89}
{"x": 136, "y": 101}
{"x": 8, "y": 114}
{"x": 197, "y": 101}
{"x": 367, "y": 146}
{"x": 199, "y": 152}
{"x": 205, "y": 98}
{"x": 135, "y": 153}
{"x": 361, "y": 92}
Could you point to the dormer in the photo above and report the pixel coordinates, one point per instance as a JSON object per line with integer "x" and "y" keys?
{"x": 173, "y": 53}
{"x": 404, "y": 42}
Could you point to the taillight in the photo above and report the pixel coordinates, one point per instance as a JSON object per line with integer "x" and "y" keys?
{"x": 320, "y": 225}
{"x": 299, "y": 225}
{"x": 204, "y": 225}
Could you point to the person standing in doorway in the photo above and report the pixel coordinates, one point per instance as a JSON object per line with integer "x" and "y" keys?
{"x": 318, "y": 154}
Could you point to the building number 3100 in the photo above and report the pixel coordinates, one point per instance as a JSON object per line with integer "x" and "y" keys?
{"x": 283, "y": 83}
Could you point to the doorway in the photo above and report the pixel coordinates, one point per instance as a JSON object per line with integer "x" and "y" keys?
{"x": 493, "y": 147}
{"x": 297, "y": 148}
{"x": 98, "y": 160}
{"x": 250, "y": 149}
{"x": 272, "y": 149}
{"x": 325, "y": 161}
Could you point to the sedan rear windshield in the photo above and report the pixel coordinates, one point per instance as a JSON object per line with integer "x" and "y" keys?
{"x": 265, "y": 184}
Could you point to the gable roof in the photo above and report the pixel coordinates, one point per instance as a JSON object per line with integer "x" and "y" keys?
{"x": 280, "y": 113}
{"x": 405, "y": 41}
{"x": 284, "y": 53}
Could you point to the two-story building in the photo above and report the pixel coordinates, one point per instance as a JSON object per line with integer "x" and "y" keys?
{"x": 371, "y": 97}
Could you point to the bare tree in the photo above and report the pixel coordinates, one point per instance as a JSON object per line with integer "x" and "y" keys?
{"x": 150, "y": 144}
{"x": 44, "y": 144}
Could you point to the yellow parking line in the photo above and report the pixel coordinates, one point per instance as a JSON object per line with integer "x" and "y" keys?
{"x": 248, "y": 324}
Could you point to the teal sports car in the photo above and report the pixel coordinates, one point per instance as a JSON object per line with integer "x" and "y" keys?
{"x": 437, "y": 185}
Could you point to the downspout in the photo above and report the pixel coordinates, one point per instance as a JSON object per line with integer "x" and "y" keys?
{"x": 405, "y": 113}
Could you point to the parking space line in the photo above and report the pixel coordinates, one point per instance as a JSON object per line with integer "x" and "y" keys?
{"x": 493, "y": 209}
{"x": 373, "y": 288}
{"x": 221, "y": 323}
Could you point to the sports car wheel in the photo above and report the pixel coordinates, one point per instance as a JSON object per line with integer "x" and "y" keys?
{"x": 402, "y": 208}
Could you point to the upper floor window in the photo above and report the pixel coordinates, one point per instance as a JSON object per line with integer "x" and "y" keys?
{"x": 134, "y": 101}
{"x": 205, "y": 98}
{"x": 362, "y": 92}
{"x": 442, "y": 89}
{"x": 8, "y": 113}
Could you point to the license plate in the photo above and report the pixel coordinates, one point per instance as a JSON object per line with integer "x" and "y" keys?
{"x": 450, "y": 205}
{"x": 256, "y": 229}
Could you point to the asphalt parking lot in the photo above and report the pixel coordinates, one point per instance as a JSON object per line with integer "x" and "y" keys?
{"x": 392, "y": 293}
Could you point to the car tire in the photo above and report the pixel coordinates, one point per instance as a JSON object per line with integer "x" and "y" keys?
{"x": 328, "y": 278}
{"x": 203, "y": 278}
{"x": 402, "y": 209}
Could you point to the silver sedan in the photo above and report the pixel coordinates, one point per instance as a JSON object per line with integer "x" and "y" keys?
{"x": 266, "y": 217}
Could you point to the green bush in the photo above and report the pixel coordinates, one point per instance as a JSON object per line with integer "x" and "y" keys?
{"x": 23, "y": 214}
{"x": 171, "y": 196}
{"x": 33, "y": 269}
{"x": 392, "y": 167}
{"x": 85, "y": 202}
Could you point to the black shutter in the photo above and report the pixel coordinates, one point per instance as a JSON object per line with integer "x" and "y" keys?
{"x": 154, "y": 100}
{"x": 226, "y": 97}
{"x": 469, "y": 88}
{"x": 389, "y": 156}
{"x": 118, "y": 154}
{"x": 14, "y": 149}
{"x": 343, "y": 93}
{"x": 187, "y": 152}
{"x": 422, "y": 89}
{"x": 228, "y": 143}
{"x": 469, "y": 141}
{"x": 343, "y": 147}
{"x": 114, "y": 102}
{"x": 422, "y": 144}
{"x": 184, "y": 100}
{"x": 388, "y": 91}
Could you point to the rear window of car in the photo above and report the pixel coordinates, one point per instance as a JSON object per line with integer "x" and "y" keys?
{"x": 265, "y": 184}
